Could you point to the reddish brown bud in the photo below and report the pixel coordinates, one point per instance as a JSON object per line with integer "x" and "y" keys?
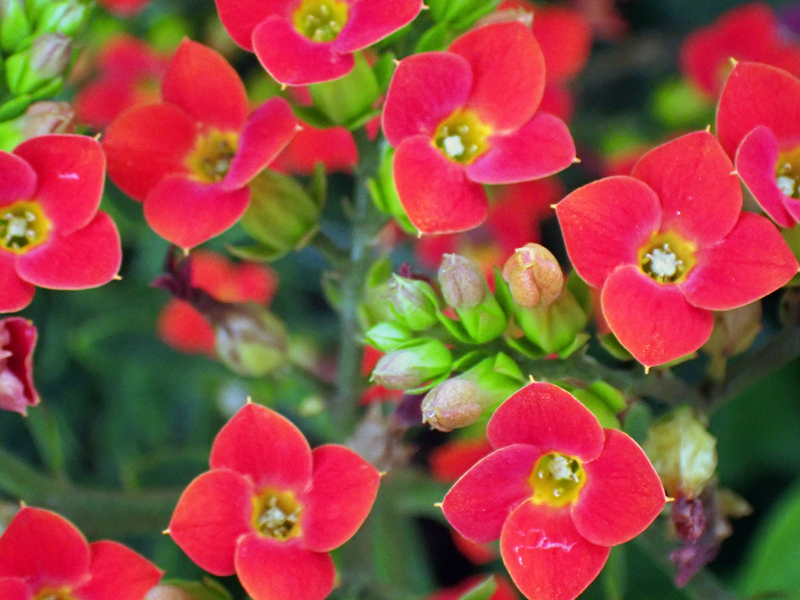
{"x": 534, "y": 276}
{"x": 463, "y": 283}
{"x": 452, "y": 404}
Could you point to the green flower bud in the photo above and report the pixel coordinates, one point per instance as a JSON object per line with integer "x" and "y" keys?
{"x": 384, "y": 193}
{"x": 46, "y": 60}
{"x": 388, "y": 336}
{"x": 534, "y": 276}
{"x": 414, "y": 302}
{"x": 412, "y": 365}
{"x": 64, "y": 17}
{"x": 14, "y": 25}
{"x": 39, "y": 119}
{"x": 348, "y": 100}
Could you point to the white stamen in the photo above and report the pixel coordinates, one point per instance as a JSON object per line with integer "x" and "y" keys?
{"x": 17, "y": 227}
{"x": 663, "y": 261}
{"x": 786, "y": 184}
{"x": 453, "y": 145}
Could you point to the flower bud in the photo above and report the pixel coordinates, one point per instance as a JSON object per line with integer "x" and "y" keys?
{"x": 64, "y": 17}
{"x": 533, "y": 276}
{"x": 452, "y": 404}
{"x": 17, "y": 341}
{"x": 45, "y": 60}
{"x": 414, "y": 302}
{"x": 734, "y": 331}
{"x": 14, "y": 26}
{"x": 683, "y": 453}
{"x": 413, "y": 365}
{"x": 167, "y": 592}
{"x": 47, "y": 117}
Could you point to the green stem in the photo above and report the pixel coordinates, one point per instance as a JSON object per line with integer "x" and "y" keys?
{"x": 323, "y": 244}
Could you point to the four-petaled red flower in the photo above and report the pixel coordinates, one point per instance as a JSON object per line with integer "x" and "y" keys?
{"x": 52, "y": 234}
{"x": 271, "y": 509}
{"x": 466, "y": 117}
{"x": 669, "y": 245}
{"x": 190, "y": 157}
{"x": 758, "y": 124}
{"x": 558, "y": 491}
{"x": 43, "y": 556}
{"x": 308, "y": 41}
{"x": 17, "y": 341}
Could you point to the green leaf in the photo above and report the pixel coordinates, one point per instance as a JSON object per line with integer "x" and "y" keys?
{"x": 482, "y": 591}
{"x": 46, "y": 435}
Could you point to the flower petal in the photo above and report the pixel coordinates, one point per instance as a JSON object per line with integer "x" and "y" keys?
{"x": 70, "y": 170}
{"x": 268, "y": 130}
{"x": 19, "y": 179}
{"x": 751, "y": 262}
{"x": 545, "y": 555}
{"x": 266, "y": 446}
{"x": 654, "y": 322}
{"x": 273, "y": 570}
{"x": 425, "y": 89}
{"x": 240, "y": 17}
{"x": 182, "y": 327}
{"x": 371, "y": 21}
{"x": 757, "y": 164}
{"x": 293, "y": 59}
{"x": 549, "y": 418}
{"x": 17, "y": 293}
{"x": 201, "y": 82}
{"x": 508, "y": 70}
{"x": 188, "y": 212}
{"x": 44, "y": 549}
{"x": 145, "y": 143}
{"x": 541, "y": 147}
{"x": 86, "y": 258}
{"x": 694, "y": 179}
{"x": 605, "y": 224}
{"x": 565, "y": 37}
{"x": 622, "y": 495}
{"x": 14, "y": 589}
{"x": 341, "y": 495}
{"x": 481, "y": 500}
{"x": 434, "y": 191}
{"x": 117, "y": 572}
{"x": 212, "y": 514}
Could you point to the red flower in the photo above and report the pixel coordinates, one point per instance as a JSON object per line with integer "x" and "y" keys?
{"x": 558, "y": 491}
{"x": 335, "y": 148}
{"x": 42, "y": 555}
{"x": 466, "y": 117}
{"x": 17, "y": 341}
{"x": 181, "y": 326}
{"x": 669, "y": 245}
{"x": 312, "y": 40}
{"x": 271, "y": 509}
{"x": 52, "y": 234}
{"x": 190, "y": 157}
{"x": 759, "y": 126}
{"x": 749, "y": 32}
{"x": 130, "y": 74}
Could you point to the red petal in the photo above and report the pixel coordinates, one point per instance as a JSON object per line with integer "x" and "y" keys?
{"x": 213, "y": 513}
{"x": 266, "y": 446}
{"x": 17, "y": 392}
{"x": 700, "y": 194}
{"x": 508, "y": 71}
{"x": 70, "y": 170}
{"x": 118, "y": 572}
{"x": 434, "y": 191}
{"x": 757, "y": 164}
{"x": 654, "y": 322}
{"x": 293, "y": 59}
{"x": 273, "y": 570}
{"x": 188, "y": 212}
{"x": 87, "y": 258}
{"x": 343, "y": 489}
{"x": 203, "y": 84}
{"x": 622, "y": 495}
{"x": 545, "y": 555}
{"x": 541, "y": 147}
{"x": 451, "y": 460}
{"x": 565, "y": 37}
{"x": 750, "y": 263}
{"x": 185, "y": 329}
{"x": 335, "y": 148}
{"x": 240, "y": 17}
{"x": 19, "y": 179}
{"x": 605, "y": 224}
{"x": 145, "y": 143}
{"x": 369, "y": 21}
{"x": 549, "y": 418}
{"x": 481, "y": 500}
{"x": 268, "y": 130}
{"x": 757, "y": 94}
{"x": 14, "y": 589}
{"x": 44, "y": 549}
{"x": 17, "y": 293}
{"x": 425, "y": 89}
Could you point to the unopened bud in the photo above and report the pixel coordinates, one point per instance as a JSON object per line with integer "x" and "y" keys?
{"x": 452, "y": 404}
{"x": 463, "y": 284}
{"x": 14, "y": 25}
{"x": 65, "y": 17}
{"x": 534, "y": 276}
{"x": 413, "y": 365}
{"x": 414, "y": 302}
{"x": 683, "y": 454}
{"x": 50, "y": 53}
{"x": 167, "y": 592}
{"x": 734, "y": 331}
{"x": 47, "y": 117}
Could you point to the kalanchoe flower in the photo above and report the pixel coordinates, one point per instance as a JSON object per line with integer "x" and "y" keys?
{"x": 312, "y": 40}
{"x": 669, "y": 245}
{"x": 17, "y": 341}
{"x": 271, "y": 509}
{"x": 42, "y": 556}
{"x": 761, "y": 133}
{"x": 190, "y": 157}
{"x": 466, "y": 117}
{"x": 558, "y": 491}
{"x": 52, "y": 234}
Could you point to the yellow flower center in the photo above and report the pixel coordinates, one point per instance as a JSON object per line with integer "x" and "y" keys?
{"x": 787, "y": 175}
{"x": 23, "y": 226}
{"x": 557, "y": 480}
{"x": 277, "y": 514}
{"x": 212, "y": 155}
{"x": 320, "y": 20}
{"x": 667, "y": 258}
{"x": 54, "y": 594}
{"x": 462, "y": 136}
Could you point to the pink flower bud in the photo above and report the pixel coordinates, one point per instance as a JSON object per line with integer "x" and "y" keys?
{"x": 17, "y": 341}
{"x": 534, "y": 276}
{"x": 452, "y": 404}
{"x": 463, "y": 283}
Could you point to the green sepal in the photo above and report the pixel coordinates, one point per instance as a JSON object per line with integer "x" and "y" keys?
{"x": 482, "y": 591}
{"x": 388, "y": 336}
{"x": 577, "y": 343}
{"x": 454, "y": 328}
{"x": 383, "y": 192}
{"x": 611, "y": 344}
{"x": 484, "y": 322}
{"x": 598, "y": 408}
{"x": 469, "y": 360}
